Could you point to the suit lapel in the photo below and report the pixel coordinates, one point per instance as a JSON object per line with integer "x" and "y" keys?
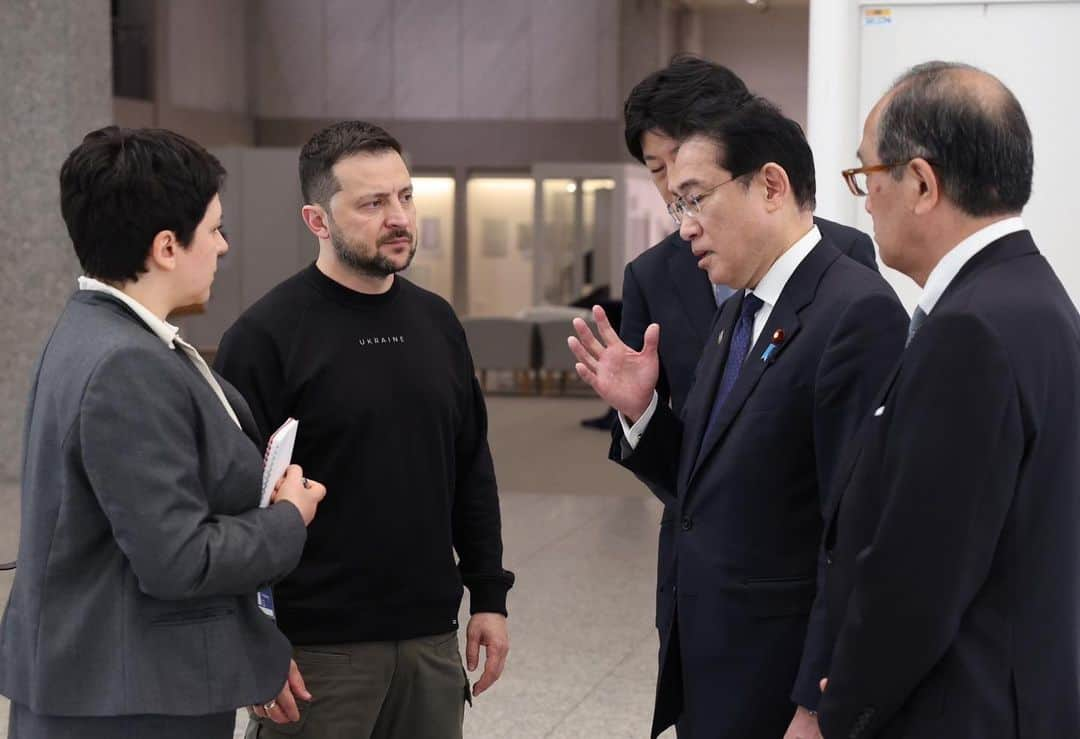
{"x": 699, "y": 401}
{"x": 797, "y": 294}
{"x": 243, "y": 414}
{"x": 692, "y": 286}
{"x": 782, "y": 316}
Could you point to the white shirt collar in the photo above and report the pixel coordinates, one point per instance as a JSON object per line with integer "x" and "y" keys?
{"x": 772, "y": 284}
{"x": 162, "y": 329}
{"x": 951, "y": 264}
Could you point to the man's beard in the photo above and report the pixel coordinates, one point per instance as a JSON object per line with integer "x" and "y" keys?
{"x": 354, "y": 255}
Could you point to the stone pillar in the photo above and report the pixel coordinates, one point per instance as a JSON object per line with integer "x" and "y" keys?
{"x": 55, "y": 84}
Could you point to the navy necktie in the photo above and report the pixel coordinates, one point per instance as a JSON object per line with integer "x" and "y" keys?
{"x": 737, "y": 351}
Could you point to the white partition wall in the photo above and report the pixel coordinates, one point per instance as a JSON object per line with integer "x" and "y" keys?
{"x": 1030, "y": 45}
{"x": 832, "y": 123}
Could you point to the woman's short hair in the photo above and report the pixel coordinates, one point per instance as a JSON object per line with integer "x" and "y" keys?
{"x": 120, "y": 187}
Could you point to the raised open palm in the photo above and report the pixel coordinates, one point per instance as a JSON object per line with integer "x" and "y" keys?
{"x": 623, "y": 377}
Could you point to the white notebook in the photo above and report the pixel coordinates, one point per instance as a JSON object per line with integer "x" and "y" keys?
{"x": 278, "y": 457}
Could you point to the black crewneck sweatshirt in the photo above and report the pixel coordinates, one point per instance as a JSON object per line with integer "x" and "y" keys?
{"x": 393, "y": 422}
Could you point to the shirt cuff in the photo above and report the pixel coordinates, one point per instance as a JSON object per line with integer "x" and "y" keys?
{"x": 634, "y": 433}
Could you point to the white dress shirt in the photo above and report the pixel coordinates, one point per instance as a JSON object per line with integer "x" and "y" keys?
{"x": 951, "y": 264}
{"x": 168, "y": 333}
{"x": 768, "y": 290}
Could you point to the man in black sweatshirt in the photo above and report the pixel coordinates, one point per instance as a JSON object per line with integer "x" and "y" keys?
{"x": 379, "y": 375}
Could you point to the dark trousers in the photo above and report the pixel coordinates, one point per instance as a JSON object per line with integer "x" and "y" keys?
{"x": 411, "y": 689}
{"x": 694, "y": 691}
{"x": 25, "y": 724}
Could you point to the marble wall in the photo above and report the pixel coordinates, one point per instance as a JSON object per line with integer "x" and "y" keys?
{"x": 55, "y": 81}
{"x": 437, "y": 59}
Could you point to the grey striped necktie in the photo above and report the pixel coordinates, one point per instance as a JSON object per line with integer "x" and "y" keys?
{"x": 917, "y": 320}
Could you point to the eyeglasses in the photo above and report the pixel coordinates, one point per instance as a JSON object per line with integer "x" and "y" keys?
{"x": 857, "y": 180}
{"x": 690, "y": 205}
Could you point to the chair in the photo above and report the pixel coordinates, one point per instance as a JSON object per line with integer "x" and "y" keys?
{"x": 555, "y": 355}
{"x": 502, "y": 344}
{"x": 547, "y": 312}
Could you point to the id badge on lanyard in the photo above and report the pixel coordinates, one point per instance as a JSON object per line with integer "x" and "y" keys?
{"x": 265, "y": 600}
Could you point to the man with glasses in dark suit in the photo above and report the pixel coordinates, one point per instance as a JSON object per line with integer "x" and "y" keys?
{"x": 791, "y": 361}
{"x": 954, "y": 576}
{"x": 664, "y": 285}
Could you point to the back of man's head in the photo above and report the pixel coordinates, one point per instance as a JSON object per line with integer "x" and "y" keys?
{"x": 659, "y": 102}
{"x": 120, "y": 187}
{"x": 971, "y": 129}
{"x": 329, "y": 146}
{"x": 753, "y": 135}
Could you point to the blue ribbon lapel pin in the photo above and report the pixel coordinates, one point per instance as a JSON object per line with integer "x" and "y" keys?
{"x": 774, "y": 345}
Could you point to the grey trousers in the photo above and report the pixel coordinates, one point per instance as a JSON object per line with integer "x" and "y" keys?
{"x": 25, "y": 724}
{"x": 411, "y": 689}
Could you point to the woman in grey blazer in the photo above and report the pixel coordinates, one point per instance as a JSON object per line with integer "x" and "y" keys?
{"x": 133, "y": 612}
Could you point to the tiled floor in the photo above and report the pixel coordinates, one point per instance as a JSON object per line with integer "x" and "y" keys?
{"x": 583, "y": 646}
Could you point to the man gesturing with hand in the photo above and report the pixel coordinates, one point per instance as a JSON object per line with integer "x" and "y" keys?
{"x": 620, "y": 375}
{"x": 792, "y": 361}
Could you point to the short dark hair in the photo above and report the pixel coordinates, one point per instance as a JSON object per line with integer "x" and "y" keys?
{"x": 970, "y": 127}
{"x": 659, "y": 102}
{"x": 332, "y": 144}
{"x": 752, "y": 136}
{"x": 120, "y": 187}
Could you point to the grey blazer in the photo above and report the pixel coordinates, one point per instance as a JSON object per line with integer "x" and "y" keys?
{"x": 141, "y": 544}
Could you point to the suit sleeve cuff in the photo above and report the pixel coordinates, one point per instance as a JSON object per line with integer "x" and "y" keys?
{"x": 288, "y": 532}
{"x": 633, "y": 434}
{"x": 807, "y": 697}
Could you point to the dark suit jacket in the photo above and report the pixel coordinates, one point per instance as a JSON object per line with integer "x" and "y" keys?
{"x": 664, "y": 285}
{"x": 744, "y": 539}
{"x": 954, "y": 587}
{"x": 141, "y": 546}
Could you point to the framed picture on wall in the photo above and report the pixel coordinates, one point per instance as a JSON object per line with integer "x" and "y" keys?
{"x": 430, "y": 241}
{"x": 496, "y": 238}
